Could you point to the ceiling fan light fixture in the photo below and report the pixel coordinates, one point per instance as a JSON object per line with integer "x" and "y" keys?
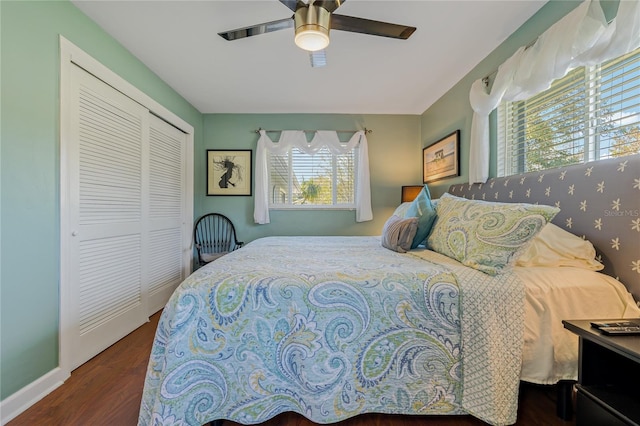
{"x": 312, "y": 28}
{"x": 311, "y": 39}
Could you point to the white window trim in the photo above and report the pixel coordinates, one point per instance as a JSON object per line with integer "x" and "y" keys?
{"x": 334, "y": 205}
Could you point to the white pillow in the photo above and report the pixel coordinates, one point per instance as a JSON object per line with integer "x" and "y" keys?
{"x": 554, "y": 246}
{"x": 401, "y": 210}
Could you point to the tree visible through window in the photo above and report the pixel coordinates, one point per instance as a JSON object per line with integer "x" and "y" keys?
{"x": 592, "y": 113}
{"x": 323, "y": 180}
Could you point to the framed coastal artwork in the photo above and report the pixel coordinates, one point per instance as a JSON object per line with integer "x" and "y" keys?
{"x": 442, "y": 159}
{"x": 229, "y": 172}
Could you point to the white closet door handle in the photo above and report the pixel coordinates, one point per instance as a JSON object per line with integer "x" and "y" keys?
{"x": 74, "y": 234}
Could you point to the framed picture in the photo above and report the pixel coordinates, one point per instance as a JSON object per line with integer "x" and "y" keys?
{"x": 229, "y": 172}
{"x": 442, "y": 159}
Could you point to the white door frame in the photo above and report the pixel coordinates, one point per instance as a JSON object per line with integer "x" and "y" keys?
{"x": 17, "y": 403}
{"x": 70, "y": 53}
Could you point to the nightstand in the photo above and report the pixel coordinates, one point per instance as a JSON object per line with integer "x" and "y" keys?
{"x": 608, "y": 389}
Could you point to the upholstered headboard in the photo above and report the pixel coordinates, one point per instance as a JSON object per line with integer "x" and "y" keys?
{"x": 599, "y": 201}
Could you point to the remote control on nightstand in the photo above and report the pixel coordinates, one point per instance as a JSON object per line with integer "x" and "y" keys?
{"x": 618, "y": 331}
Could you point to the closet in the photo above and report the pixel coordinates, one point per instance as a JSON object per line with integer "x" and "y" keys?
{"x": 125, "y": 216}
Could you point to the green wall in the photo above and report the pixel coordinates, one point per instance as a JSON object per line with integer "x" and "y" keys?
{"x": 394, "y": 160}
{"x": 453, "y": 111}
{"x": 30, "y": 64}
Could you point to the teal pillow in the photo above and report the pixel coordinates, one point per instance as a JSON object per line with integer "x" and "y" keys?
{"x": 425, "y": 211}
{"x": 486, "y": 235}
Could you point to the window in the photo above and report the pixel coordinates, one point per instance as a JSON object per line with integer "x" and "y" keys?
{"x": 590, "y": 114}
{"x": 321, "y": 180}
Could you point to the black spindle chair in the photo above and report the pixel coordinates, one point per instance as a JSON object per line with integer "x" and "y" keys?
{"x": 214, "y": 236}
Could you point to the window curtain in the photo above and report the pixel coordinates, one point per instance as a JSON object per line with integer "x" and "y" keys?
{"x": 297, "y": 138}
{"x": 582, "y": 37}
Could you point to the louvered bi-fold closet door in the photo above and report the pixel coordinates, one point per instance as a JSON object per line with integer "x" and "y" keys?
{"x": 108, "y": 197}
{"x": 167, "y": 151}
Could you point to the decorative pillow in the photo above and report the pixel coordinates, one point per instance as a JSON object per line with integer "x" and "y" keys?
{"x": 398, "y": 233}
{"x": 554, "y": 246}
{"x": 486, "y": 235}
{"x": 401, "y": 210}
{"x": 423, "y": 209}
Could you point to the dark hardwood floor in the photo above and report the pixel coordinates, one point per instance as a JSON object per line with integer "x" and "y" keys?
{"x": 107, "y": 391}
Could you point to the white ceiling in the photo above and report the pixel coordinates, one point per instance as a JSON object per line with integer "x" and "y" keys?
{"x": 268, "y": 74}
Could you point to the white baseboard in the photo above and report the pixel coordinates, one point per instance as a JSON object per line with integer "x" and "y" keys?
{"x": 17, "y": 403}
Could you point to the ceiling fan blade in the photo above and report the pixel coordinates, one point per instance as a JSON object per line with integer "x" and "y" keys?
{"x": 367, "y": 26}
{"x": 255, "y": 30}
{"x": 330, "y": 5}
{"x": 318, "y": 58}
{"x": 292, "y": 4}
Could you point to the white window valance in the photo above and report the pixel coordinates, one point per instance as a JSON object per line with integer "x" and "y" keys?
{"x": 583, "y": 37}
{"x": 321, "y": 139}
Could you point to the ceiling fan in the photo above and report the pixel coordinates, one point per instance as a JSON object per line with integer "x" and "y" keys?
{"x": 312, "y": 22}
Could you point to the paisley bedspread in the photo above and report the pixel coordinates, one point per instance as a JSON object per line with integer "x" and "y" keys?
{"x": 332, "y": 327}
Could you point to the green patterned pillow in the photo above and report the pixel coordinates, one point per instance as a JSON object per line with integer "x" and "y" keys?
{"x": 485, "y": 235}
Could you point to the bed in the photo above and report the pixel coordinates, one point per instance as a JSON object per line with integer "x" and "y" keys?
{"x": 332, "y": 327}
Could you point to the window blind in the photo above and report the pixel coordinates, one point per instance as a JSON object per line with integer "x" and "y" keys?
{"x": 592, "y": 113}
{"x": 322, "y": 179}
